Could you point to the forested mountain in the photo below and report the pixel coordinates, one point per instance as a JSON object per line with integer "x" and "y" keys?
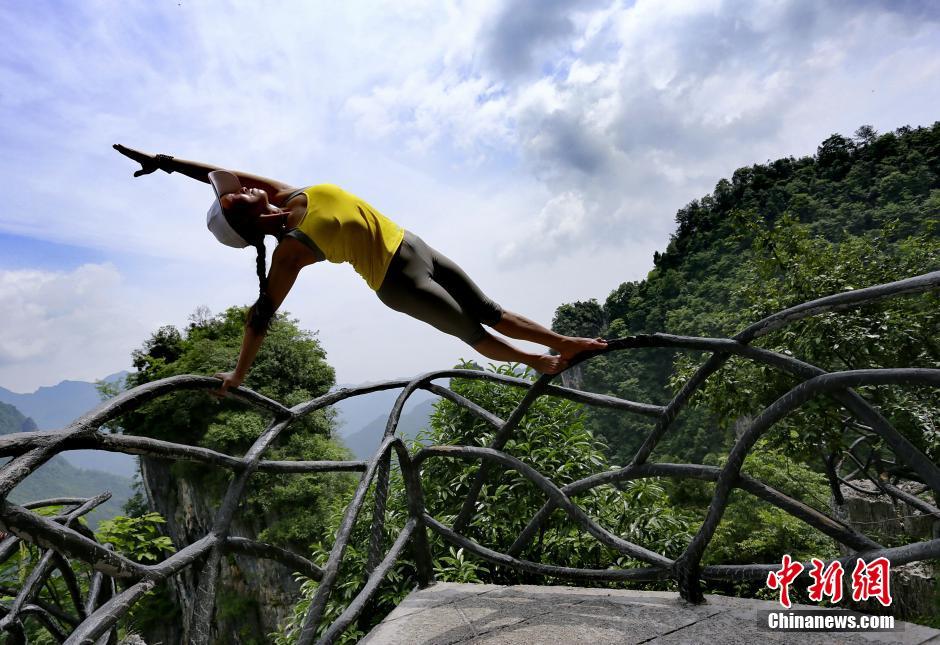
{"x": 12, "y": 420}
{"x": 862, "y": 210}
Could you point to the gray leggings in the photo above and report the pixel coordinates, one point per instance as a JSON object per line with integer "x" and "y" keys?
{"x": 428, "y": 286}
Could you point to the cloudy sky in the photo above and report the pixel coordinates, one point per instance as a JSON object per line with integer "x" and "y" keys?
{"x": 544, "y": 145}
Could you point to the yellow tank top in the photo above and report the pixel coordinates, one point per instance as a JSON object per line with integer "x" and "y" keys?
{"x": 347, "y": 229}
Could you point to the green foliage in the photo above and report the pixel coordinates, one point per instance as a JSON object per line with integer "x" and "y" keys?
{"x": 552, "y": 439}
{"x": 720, "y": 269}
{"x": 297, "y": 507}
{"x": 230, "y": 606}
{"x": 790, "y": 266}
{"x": 753, "y": 531}
{"x": 456, "y": 567}
{"x": 290, "y": 368}
{"x": 584, "y": 319}
{"x": 15, "y": 571}
{"x": 290, "y": 509}
{"x": 137, "y": 537}
{"x": 862, "y": 211}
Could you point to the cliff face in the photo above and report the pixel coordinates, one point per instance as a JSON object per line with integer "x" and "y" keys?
{"x": 914, "y": 586}
{"x": 254, "y": 594}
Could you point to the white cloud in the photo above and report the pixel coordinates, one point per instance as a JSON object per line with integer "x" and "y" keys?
{"x": 561, "y": 224}
{"x": 644, "y": 107}
{"x": 545, "y": 146}
{"x": 64, "y": 325}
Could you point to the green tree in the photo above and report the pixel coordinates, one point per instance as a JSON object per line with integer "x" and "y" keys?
{"x": 137, "y": 538}
{"x": 290, "y": 368}
{"x": 291, "y": 510}
{"x": 585, "y": 319}
{"x": 789, "y": 266}
{"x": 860, "y": 212}
{"x": 887, "y": 184}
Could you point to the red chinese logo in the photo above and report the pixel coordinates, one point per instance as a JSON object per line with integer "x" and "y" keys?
{"x": 827, "y": 581}
{"x": 872, "y": 580}
{"x": 784, "y": 578}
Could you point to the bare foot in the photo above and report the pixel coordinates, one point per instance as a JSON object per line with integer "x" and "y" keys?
{"x": 548, "y": 364}
{"x": 569, "y": 346}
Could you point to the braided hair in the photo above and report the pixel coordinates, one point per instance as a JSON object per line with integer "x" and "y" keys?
{"x": 262, "y": 312}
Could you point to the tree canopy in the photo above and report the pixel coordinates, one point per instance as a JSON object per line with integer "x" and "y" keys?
{"x": 862, "y": 211}
{"x": 290, "y": 368}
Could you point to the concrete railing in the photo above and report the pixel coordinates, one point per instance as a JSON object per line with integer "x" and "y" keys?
{"x": 118, "y": 581}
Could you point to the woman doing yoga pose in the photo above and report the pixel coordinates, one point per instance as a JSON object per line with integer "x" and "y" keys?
{"x": 324, "y": 222}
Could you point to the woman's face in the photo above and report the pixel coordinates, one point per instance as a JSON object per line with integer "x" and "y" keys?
{"x": 244, "y": 209}
{"x": 249, "y": 201}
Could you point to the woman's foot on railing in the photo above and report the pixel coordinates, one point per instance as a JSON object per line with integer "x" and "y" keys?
{"x": 570, "y": 346}
{"x": 548, "y": 364}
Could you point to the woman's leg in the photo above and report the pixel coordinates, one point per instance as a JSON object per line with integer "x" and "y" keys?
{"x": 517, "y": 326}
{"x": 409, "y": 288}
{"x": 431, "y": 303}
{"x": 469, "y": 296}
{"x": 499, "y": 350}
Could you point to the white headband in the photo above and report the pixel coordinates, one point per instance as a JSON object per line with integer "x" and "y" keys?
{"x": 223, "y": 182}
{"x": 223, "y": 231}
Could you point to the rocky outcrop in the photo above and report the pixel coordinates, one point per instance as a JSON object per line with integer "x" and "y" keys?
{"x": 254, "y": 594}
{"x": 915, "y": 587}
{"x": 573, "y": 377}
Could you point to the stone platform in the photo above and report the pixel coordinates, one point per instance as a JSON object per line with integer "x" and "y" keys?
{"x": 466, "y": 613}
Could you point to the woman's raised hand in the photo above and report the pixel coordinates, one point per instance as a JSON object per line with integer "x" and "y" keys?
{"x": 148, "y": 163}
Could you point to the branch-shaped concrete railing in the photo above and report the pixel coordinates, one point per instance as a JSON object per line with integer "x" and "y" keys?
{"x": 92, "y": 619}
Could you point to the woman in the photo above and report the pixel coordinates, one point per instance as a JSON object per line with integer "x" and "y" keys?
{"x": 325, "y": 222}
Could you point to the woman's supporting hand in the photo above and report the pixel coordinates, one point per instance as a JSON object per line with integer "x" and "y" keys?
{"x": 148, "y": 163}
{"x": 229, "y": 380}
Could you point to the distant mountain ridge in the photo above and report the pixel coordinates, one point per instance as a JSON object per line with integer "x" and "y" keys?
{"x": 361, "y": 420}
{"x": 364, "y": 442}
{"x": 53, "y": 407}
{"x": 59, "y": 478}
{"x": 356, "y": 413}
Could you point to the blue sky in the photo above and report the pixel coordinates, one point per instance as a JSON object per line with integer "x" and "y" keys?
{"x": 545, "y": 146}
{"x": 26, "y": 252}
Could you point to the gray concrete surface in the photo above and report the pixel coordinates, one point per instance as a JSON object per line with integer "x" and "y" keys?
{"x": 457, "y": 613}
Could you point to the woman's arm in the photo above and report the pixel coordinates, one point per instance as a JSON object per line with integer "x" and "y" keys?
{"x": 285, "y": 266}
{"x": 198, "y": 170}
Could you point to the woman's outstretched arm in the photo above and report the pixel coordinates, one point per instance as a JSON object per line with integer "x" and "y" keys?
{"x": 198, "y": 170}
{"x": 285, "y": 265}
